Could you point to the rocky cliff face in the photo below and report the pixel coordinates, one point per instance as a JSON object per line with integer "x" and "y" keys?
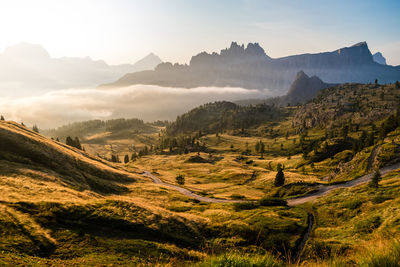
{"x": 379, "y": 58}
{"x": 303, "y": 89}
{"x": 250, "y": 67}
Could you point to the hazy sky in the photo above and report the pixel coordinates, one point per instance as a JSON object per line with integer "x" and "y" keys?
{"x": 122, "y": 31}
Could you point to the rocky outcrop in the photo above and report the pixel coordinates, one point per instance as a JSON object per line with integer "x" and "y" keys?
{"x": 303, "y": 88}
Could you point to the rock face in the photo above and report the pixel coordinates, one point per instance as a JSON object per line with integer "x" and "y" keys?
{"x": 28, "y": 68}
{"x": 303, "y": 89}
{"x": 250, "y": 67}
{"x": 379, "y": 58}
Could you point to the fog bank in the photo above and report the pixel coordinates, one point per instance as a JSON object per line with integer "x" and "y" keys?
{"x": 146, "y": 102}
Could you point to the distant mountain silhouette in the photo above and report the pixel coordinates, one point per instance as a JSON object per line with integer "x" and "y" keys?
{"x": 379, "y": 58}
{"x": 27, "y": 68}
{"x": 250, "y": 67}
{"x": 303, "y": 89}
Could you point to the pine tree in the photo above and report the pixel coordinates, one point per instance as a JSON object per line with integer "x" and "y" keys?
{"x": 126, "y": 159}
{"x": 77, "y": 143}
{"x": 280, "y": 177}
{"x": 375, "y": 179}
{"x": 2, "y": 118}
{"x": 35, "y": 128}
{"x": 397, "y": 85}
{"x": 69, "y": 141}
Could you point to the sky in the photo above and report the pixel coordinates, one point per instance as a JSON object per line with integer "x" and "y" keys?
{"x": 123, "y": 31}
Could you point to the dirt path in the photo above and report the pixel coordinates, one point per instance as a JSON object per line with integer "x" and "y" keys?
{"x": 322, "y": 189}
{"x": 187, "y": 192}
{"x": 325, "y": 189}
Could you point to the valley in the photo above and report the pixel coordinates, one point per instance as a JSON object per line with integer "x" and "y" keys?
{"x": 120, "y": 192}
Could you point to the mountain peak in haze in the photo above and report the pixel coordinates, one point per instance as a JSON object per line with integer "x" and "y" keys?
{"x": 149, "y": 62}
{"x": 26, "y": 51}
{"x": 303, "y": 89}
{"x": 379, "y": 58}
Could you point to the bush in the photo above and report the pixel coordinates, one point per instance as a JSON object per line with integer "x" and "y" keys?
{"x": 369, "y": 225}
{"x": 242, "y": 260}
{"x": 272, "y": 201}
{"x": 179, "y": 208}
{"x": 380, "y": 198}
{"x": 249, "y": 205}
{"x": 387, "y": 257}
{"x": 180, "y": 179}
{"x": 237, "y": 196}
{"x": 352, "y": 204}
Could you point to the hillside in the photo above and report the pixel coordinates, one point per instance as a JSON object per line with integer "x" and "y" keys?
{"x": 360, "y": 104}
{"x": 250, "y": 67}
{"x": 219, "y": 116}
{"x": 45, "y": 164}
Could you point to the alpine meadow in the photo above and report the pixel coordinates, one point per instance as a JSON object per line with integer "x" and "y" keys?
{"x": 200, "y": 133}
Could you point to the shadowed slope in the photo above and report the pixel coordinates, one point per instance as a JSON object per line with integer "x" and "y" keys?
{"x": 23, "y": 151}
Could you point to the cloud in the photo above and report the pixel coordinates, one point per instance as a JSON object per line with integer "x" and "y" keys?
{"x": 140, "y": 101}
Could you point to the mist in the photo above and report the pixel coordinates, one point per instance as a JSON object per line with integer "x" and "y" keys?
{"x": 145, "y": 102}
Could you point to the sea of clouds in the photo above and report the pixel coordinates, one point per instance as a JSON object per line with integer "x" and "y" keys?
{"x": 145, "y": 102}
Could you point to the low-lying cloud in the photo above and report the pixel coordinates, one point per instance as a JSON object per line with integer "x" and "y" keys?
{"x": 140, "y": 101}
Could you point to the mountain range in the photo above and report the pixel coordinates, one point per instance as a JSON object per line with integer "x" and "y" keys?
{"x": 250, "y": 67}
{"x": 28, "y": 68}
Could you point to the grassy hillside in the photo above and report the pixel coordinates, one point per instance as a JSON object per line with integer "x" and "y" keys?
{"x": 64, "y": 206}
{"x": 61, "y": 206}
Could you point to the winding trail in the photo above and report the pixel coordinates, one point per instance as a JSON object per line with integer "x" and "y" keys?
{"x": 187, "y": 192}
{"x": 322, "y": 189}
{"x": 325, "y": 189}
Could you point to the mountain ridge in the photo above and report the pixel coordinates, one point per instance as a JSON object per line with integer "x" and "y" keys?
{"x": 19, "y": 70}
{"x": 252, "y": 68}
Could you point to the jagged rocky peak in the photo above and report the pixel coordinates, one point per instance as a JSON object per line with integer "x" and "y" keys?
{"x": 379, "y": 58}
{"x": 356, "y": 54}
{"x": 255, "y": 50}
{"x": 301, "y": 75}
{"x": 234, "y": 54}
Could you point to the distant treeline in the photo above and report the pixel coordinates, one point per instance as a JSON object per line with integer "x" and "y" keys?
{"x": 219, "y": 116}
{"x": 84, "y": 128}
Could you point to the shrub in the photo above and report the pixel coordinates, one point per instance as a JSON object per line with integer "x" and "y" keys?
{"x": 248, "y": 205}
{"x": 179, "y": 208}
{"x": 237, "y": 196}
{"x": 180, "y": 179}
{"x": 380, "y": 198}
{"x": 352, "y": 204}
{"x": 369, "y": 225}
{"x": 378, "y": 258}
{"x": 272, "y": 201}
{"x": 241, "y": 260}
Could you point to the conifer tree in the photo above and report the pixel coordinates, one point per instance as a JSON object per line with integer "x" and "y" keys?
{"x": 280, "y": 177}
{"x": 375, "y": 179}
{"x": 35, "y": 128}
